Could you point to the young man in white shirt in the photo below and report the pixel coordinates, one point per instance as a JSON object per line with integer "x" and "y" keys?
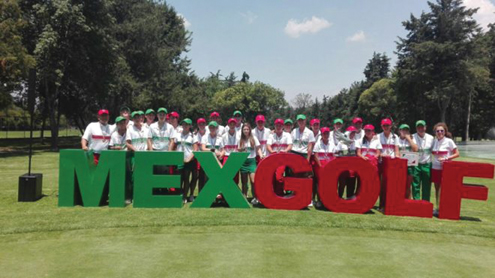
{"x": 97, "y": 135}
{"x": 160, "y": 134}
{"x": 137, "y": 136}
{"x": 390, "y": 148}
{"x": 261, "y": 133}
{"x": 279, "y": 142}
{"x": 117, "y": 140}
{"x": 150, "y": 117}
{"x": 303, "y": 139}
{"x": 421, "y": 185}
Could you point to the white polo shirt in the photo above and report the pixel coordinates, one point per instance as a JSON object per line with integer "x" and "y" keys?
{"x": 325, "y": 152}
{"x": 220, "y": 130}
{"x": 118, "y": 140}
{"x": 369, "y": 148}
{"x": 212, "y": 142}
{"x": 230, "y": 142}
{"x": 302, "y": 140}
{"x": 359, "y": 135}
{"x": 279, "y": 143}
{"x": 98, "y": 136}
{"x": 388, "y": 144}
{"x": 161, "y": 136}
{"x": 404, "y": 145}
{"x": 441, "y": 149}
{"x": 138, "y": 137}
{"x": 185, "y": 143}
{"x": 199, "y": 137}
{"x": 251, "y": 149}
{"x": 424, "y": 147}
{"x": 262, "y": 136}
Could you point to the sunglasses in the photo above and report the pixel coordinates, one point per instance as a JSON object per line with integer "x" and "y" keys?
{"x": 440, "y": 131}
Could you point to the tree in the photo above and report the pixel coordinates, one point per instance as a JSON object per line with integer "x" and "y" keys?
{"x": 245, "y": 77}
{"x": 377, "y": 68}
{"x": 379, "y": 101}
{"x": 434, "y": 57}
{"x": 302, "y": 101}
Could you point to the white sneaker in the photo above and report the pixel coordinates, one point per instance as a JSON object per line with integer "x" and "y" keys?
{"x": 254, "y": 201}
{"x": 184, "y": 201}
{"x": 311, "y": 204}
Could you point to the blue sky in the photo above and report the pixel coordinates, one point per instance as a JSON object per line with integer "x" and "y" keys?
{"x": 315, "y": 47}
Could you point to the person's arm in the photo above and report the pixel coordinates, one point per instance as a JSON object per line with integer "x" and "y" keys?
{"x": 378, "y": 153}
{"x": 310, "y": 150}
{"x": 258, "y": 152}
{"x": 455, "y": 155}
{"x": 84, "y": 144}
{"x": 129, "y": 145}
{"x": 269, "y": 148}
{"x": 288, "y": 149}
{"x": 359, "y": 154}
{"x": 413, "y": 145}
{"x": 203, "y": 147}
{"x": 317, "y": 160}
{"x": 150, "y": 144}
{"x": 397, "y": 152}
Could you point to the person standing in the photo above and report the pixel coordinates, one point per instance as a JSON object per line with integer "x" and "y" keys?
{"x": 230, "y": 143}
{"x": 407, "y": 144}
{"x": 369, "y": 148}
{"x": 334, "y": 135}
{"x": 303, "y": 138}
{"x": 117, "y": 139}
{"x": 444, "y": 149}
{"x": 261, "y": 133}
{"x": 96, "y": 136}
{"x": 136, "y": 136}
{"x": 160, "y": 134}
{"x": 390, "y": 148}
{"x": 212, "y": 141}
{"x": 279, "y": 142}
{"x": 324, "y": 152}
{"x": 421, "y": 185}
{"x": 185, "y": 142}
{"x": 238, "y": 126}
{"x": 249, "y": 143}
{"x": 200, "y": 134}
{"x": 288, "y": 125}
{"x": 347, "y": 180}
{"x": 215, "y": 116}
{"x": 150, "y": 117}
{"x": 357, "y": 123}
{"x": 315, "y": 127}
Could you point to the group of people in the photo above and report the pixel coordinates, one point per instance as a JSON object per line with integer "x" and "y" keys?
{"x": 138, "y": 131}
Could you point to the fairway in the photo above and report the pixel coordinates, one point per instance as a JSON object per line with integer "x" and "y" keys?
{"x": 39, "y": 239}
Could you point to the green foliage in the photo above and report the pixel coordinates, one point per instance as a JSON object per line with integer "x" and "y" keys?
{"x": 378, "y": 102}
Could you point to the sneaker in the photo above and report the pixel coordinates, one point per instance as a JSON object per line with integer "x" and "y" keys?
{"x": 128, "y": 201}
{"x": 311, "y": 204}
{"x": 184, "y": 201}
{"x": 254, "y": 201}
{"x": 191, "y": 199}
{"x": 435, "y": 212}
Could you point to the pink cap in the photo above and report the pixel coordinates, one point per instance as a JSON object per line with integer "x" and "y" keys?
{"x": 369, "y": 127}
{"x": 325, "y": 129}
{"x": 357, "y": 120}
{"x": 260, "y": 118}
{"x": 214, "y": 114}
{"x": 351, "y": 129}
{"x": 201, "y": 120}
{"x": 103, "y": 111}
{"x": 174, "y": 114}
{"x": 386, "y": 121}
{"x": 232, "y": 120}
{"x": 279, "y": 121}
{"x": 314, "y": 121}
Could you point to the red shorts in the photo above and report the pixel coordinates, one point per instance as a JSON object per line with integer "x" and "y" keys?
{"x": 436, "y": 176}
{"x": 96, "y": 158}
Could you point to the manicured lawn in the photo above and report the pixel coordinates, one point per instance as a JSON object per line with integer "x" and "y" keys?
{"x": 39, "y": 239}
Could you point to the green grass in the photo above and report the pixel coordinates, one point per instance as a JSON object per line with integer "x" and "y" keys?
{"x": 63, "y": 132}
{"x": 40, "y": 239}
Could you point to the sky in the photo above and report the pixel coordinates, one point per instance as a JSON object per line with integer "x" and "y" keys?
{"x": 316, "y": 47}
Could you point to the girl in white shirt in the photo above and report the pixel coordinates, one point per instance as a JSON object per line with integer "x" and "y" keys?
{"x": 200, "y": 133}
{"x": 444, "y": 149}
{"x": 279, "y": 142}
{"x": 249, "y": 143}
{"x": 369, "y": 148}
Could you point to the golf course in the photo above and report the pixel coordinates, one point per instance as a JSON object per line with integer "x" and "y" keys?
{"x": 40, "y": 239}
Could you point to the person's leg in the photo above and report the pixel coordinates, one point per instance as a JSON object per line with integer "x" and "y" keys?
{"x": 194, "y": 180}
{"x": 342, "y": 183}
{"x": 185, "y": 177}
{"x": 251, "y": 180}
{"x": 437, "y": 194}
{"x": 244, "y": 181}
{"x": 351, "y": 187}
{"x": 416, "y": 182}
{"x": 425, "y": 177}
{"x": 201, "y": 179}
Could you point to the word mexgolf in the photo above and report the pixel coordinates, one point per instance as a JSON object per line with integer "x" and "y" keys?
{"x": 78, "y": 175}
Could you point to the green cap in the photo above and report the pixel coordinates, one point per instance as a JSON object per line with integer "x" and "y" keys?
{"x": 237, "y": 112}
{"x": 404, "y": 126}
{"x": 119, "y": 119}
{"x": 420, "y": 122}
{"x": 134, "y": 114}
{"x": 288, "y": 121}
{"x": 149, "y": 111}
{"x": 161, "y": 109}
{"x": 213, "y": 123}
{"x": 300, "y": 117}
{"x": 124, "y": 108}
{"x": 338, "y": 121}
{"x": 187, "y": 121}
{"x": 140, "y": 112}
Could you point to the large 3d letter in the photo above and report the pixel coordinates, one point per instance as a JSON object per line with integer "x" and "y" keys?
{"x": 328, "y": 184}
{"x": 301, "y": 187}
{"x": 220, "y": 180}
{"x": 453, "y": 189}
{"x": 395, "y": 173}
{"x": 78, "y": 174}
{"x": 145, "y": 181}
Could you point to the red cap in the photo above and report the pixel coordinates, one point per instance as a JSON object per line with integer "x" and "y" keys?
{"x": 167, "y": 117}
{"x": 370, "y": 127}
{"x": 201, "y": 120}
{"x": 279, "y": 121}
{"x": 357, "y": 120}
{"x": 103, "y": 111}
{"x": 351, "y": 129}
{"x": 325, "y": 129}
{"x": 314, "y": 121}
{"x": 174, "y": 114}
{"x": 260, "y": 118}
{"x": 214, "y": 114}
{"x": 232, "y": 120}
{"x": 386, "y": 121}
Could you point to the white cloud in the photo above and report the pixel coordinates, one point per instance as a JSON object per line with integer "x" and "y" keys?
{"x": 187, "y": 24}
{"x": 249, "y": 16}
{"x": 294, "y": 28}
{"x": 486, "y": 11}
{"x": 358, "y": 37}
